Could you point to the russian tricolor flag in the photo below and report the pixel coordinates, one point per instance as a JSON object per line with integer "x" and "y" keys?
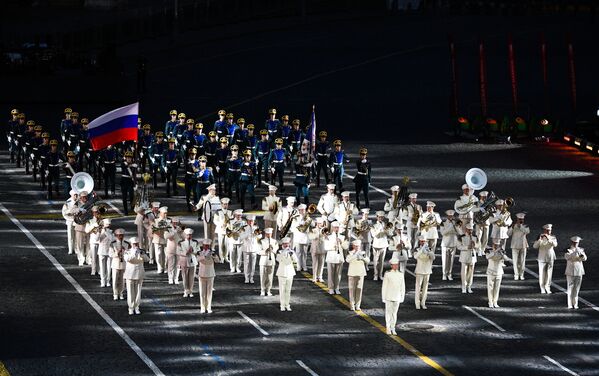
{"x": 115, "y": 126}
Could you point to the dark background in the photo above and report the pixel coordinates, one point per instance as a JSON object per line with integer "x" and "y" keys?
{"x": 373, "y": 74}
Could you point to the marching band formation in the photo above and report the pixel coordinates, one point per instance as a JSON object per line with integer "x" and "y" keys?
{"x": 334, "y": 231}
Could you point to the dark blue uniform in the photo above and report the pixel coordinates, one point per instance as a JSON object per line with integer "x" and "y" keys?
{"x": 10, "y": 136}
{"x": 199, "y": 141}
{"x": 204, "y": 180}
{"x": 210, "y": 149}
{"x": 336, "y": 160}
{"x": 85, "y": 154}
{"x": 276, "y": 161}
{"x": 247, "y": 182}
{"x": 108, "y": 161}
{"x": 28, "y": 139}
{"x": 179, "y": 131}
{"x": 261, "y": 154}
{"x": 128, "y": 180}
{"x": 192, "y": 167}
{"x": 35, "y": 154}
{"x": 220, "y": 127}
{"x": 53, "y": 161}
{"x": 302, "y": 178}
{"x": 19, "y": 131}
{"x": 65, "y": 125}
{"x": 322, "y": 161}
{"x": 233, "y": 174}
{"x": 169, "y": 128}
{"x": 231, "y": 129}
{"x": 156, "y": 156}
{"x": 222, "y": 154}
{"x": 187, "y": 141}
{"x": 240, "y": 139}
{"x": 273, "y": 128}
{"x": 362, "y": 181}
{"x": 143, "y": 149}
{"x": 171, "y": 166}
{"x": 72, "y": 136}
{"x": 43, "y": 150}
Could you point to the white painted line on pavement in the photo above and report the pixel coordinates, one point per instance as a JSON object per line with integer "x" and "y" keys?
{"x": 560, "y": 366}
{"x": 254, "y": 324}
{"x": 115, "y": 208}
{"x": 558, "y": 287}
{"x": 308, "y": 369}
{"x": 84, "y": 294}
{"x": 484, "y": 318}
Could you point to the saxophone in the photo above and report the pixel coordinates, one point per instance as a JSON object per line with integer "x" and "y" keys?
{"x": 428, "y": 222}
{"x": 415, "y": 215}
{"x": 306, "y": 225}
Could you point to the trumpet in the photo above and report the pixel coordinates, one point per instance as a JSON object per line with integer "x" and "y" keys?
{"x": 389, "y": 226}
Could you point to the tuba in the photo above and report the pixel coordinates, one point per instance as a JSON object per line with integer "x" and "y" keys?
{"x": 476, "y": 178}
{"x": 311, "y": 209}
{"x": 80, "y": 182}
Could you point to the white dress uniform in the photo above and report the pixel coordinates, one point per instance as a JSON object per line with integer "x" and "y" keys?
{"x": 173, "y": 236}
{"x": 186, "y": 259}
{"x": 413, "y": 213}
{"x": 469, "y": 247}
{"x": 92, "y": 231}
{"x": 326, "y": 206}
{"x": 318, "y": 252}
{"x": 269, "y": 247}
{"x": 134, "y": 275}
{"x": 494, "y": 275}
{"x": 424, "y": 267}
{"x": 117, "y": 255}
{"x": 344, "y": 212}
{"x": 482, "y": 229}
{"x": 393, "y": 291}
{"x": 449, "y": 244}
{"x": 206, "y": 259}
{"x": 270, "y": 218}
{"x": 105, "y": 238}
{"x": 546, "y": 258}
{"x": 501, "y": 222}
{"x": 220, "y": 222}
{"x": 335, "y": 244}
{"x": 234, "y": 245}
{"x": 67, "y": 214}
{"x": 215, "y": 205}
{"x": 519, "y": 246}
{"x": 403, "y": 243}
{"x": 81, "y": 238}
{"x": 149, "y": 220}
{"x": 251, "y": 246}
{"x": 159, "y": 242}
{"x": 356, "y": 271}
{"x": 300, "y": 239}
{"x": 574, "y": 256}
{"x": 380, "y": 243}
{"x": 364, "y": 224}
{"x": 286, "y": 258}
{"x": 397, "y": 214}
{"x": 430, "y": 233}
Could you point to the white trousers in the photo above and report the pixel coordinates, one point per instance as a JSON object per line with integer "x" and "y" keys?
{"x": 519, "y": 261}
{"x": 266, "y": 276}
{"x": 574, "y": 283}
{"x": 209, "y": 229}
{"x": 493, "y": 286}
{"x": 421, "y": 290}
{"x": 92, "y": 257}
{"x": 482, "y": 232}
{"x": 467, "y": 275}
{"x": 545, "y": 275}
{"x": 302, "y": 255}
{"x": 188, "y": 278}
{"x": 391, "y": 309}
{"x": 222, "y": 248}
{"x": 317, "y": 264}
{"x": 285, "y": 290}
{"x": 134, "y": 292}
{"x": 412, "y": 238}
{"x": 118, "y": 284}
{"x": 447, "y": 256}
{"x": 334, "y": 275}
{"x": 367, "y": 249}
{"x": 235, "y": 255}
{"x": 160, "y": 257}
{"x": 105, "y": 269}
{"x": 206, "y": 284}
{"x": 378, "y": 261}
{"x": 249, "y": 265}
{"x": 355, "y": 284}
{"x": 71, "y": 238}
{"x": 171, "y": 267}
{"x": 81, "y": 246}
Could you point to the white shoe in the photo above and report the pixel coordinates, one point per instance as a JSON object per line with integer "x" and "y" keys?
{"x": 185, "y": 295}
{"x": 393, "y": 332}
{"x": 251, "y": 281}
{"x": 282, "y": 309}
{"x": 469, "y": 290}
{"x": 417, "y": 307}
{"x": 491, "y": 305}
{"x": 170, "y": 282}
{"x": 246, "y": 281}
{"x": 209, "y": 310}
{"x": 376, "y": 278}
{"x": 463, "y": 291}
{"x": 353, "y": 307}
{"x": 522, "y": 278}
{"x": 570, "y": 307}
{"x": 289, "y": 308}
{"x": 337, "y": 292}
{"x": 542, "y": 291}
{"x": 262, "y": 293}
{"x": 358, "y": 308}
{"x": 548, "y": 291}
{"x": 191, "y": 295}
{"x": 115, "y": 297}
{"x": 575, "y": 307}
{"x": 102, "y": 285}
{"x": 151, "y": 262}
{"x": 108, "y": 285}
{"x": 388, "y": 331}
{"x": 445, "y": 278}
{"x": 130, "y": 311}
{"x": 121, "y": 297}
{"x": 269, "y": 293}
{"x": 176, "y": 282}
{"x": 238, "y": 270}
{"x": 515, "y": 278}
{"x": 495, "y": 305}
{"x": 202, "y": 310}
{"x": 331, "y": 291}
{"x": 450, "y": 278}
{"x": 137, "y": 311}
{"x": 424, "y": 307}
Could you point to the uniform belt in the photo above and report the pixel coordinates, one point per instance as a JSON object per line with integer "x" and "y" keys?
{"x": 234, "y": 170}
{"x": 82, "y": 141}
{"x": 321, "y": 154}
{"x": 72, "y": 135}
{"x": 126, "y": 176}
{"x": 262, "y": 152}
{"x": 53, "y": 165}
{"x": 209, "y": 154}
{"x": 277, "y": 161}
{"x": 158, "y": 155}
{"x": 171, "y": 161}
{"x": 362, "y": 173}
{"x": 35, "y": 149}
{"x": 223, "y": 162}
{"x": 144, "y": 147}
{"x": 284, "y": 138}
{"x": 189, "y": 173}
{"x": 337, "y": 164}
{"x": 245, "y": 174}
